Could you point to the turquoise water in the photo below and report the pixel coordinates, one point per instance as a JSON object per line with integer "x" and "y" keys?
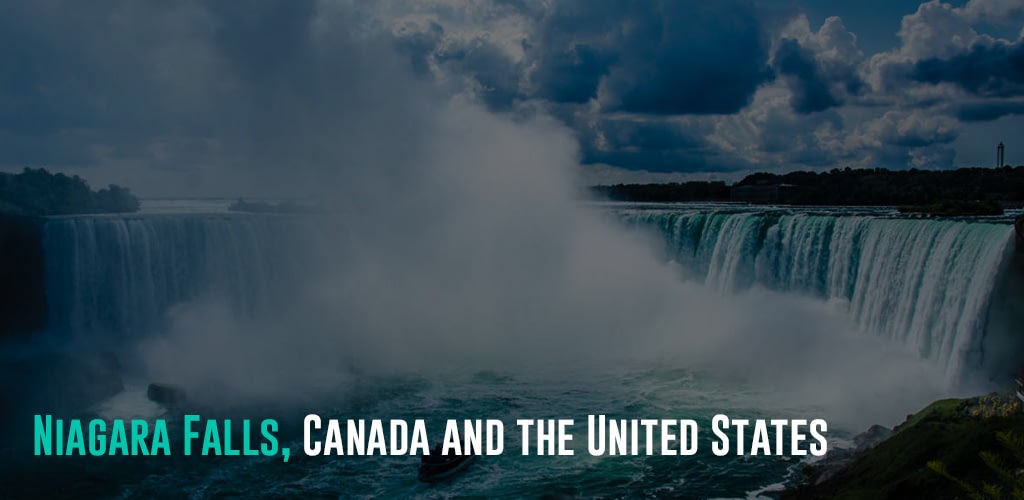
{"x": 648, "y": 392}
{"x": 856, "y": 317}
{"x": 922, "y": 283}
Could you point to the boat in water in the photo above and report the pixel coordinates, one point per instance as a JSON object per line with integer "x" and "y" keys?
{"x": 437, "y": 466}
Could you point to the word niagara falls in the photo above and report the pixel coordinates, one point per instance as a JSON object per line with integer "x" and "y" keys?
{"x": 397, "y": 437}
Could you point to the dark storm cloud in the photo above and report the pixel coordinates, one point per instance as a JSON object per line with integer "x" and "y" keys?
{"x": 419, "y": 47}
{"x": 235, "y": 92}
{"x": 664, "y": 85}
{"x": 649, "y": 60}
{"x": 988, "y": 110}
{"x": 813, "y": 84}
{"x": 675, "y": 70}
{"x": 654, "y": 144}
{"x": 996, "y": 70}
{"x": 657, "y": 85}
{"x": 572, "y": 75}
{"x": 590, "y": 61}
{"x": 810, "y": 90}
{"x": 573, "y": 47}
{"x": 664, "y": 58}
{"x": 497, "y": 75}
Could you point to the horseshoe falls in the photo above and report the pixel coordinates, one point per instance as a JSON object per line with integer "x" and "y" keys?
{"x": 944, "y": 293}
{"x": 926, "y": 284}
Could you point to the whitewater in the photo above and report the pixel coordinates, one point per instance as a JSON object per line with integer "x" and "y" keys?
{"x": 922, "y": 283}
{"x": 195, "y": 296}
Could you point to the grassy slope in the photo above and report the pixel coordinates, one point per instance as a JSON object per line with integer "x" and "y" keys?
{"x": 896, "y": 468}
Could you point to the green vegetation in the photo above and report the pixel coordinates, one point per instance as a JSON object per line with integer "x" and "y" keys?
{"x": 950, "y": 434}
{"x": 38, "y": 192}
{"x": 1009, "y": 473}
{"x": 900, "y": 187}
{"x": 951, "y": 192}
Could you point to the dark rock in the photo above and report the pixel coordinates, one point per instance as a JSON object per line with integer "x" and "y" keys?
{"x": 871, "y": 437}
{"x": 825, "y": 469}
{"x": 22, "y": 294}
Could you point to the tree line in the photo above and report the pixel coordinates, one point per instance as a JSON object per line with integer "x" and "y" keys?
{"x": 848, "y": 186}
{"x": 39, "y": 192}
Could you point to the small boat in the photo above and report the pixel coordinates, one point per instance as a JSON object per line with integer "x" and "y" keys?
{"x": 437, "y": 467}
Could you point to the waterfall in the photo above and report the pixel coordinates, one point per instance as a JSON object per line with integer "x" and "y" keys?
{"x": 116, "y": 276}
{"x": 924, "y": 283}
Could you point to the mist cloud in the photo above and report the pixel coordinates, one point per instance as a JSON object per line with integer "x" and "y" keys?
{"x": 466, "y": 250}
{"x": 447, "y": 156}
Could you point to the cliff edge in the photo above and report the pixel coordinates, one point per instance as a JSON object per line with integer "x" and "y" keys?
{"x": 953, "y": 432}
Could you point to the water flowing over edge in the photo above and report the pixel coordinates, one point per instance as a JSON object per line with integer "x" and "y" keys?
{"x": 922, "y": 283}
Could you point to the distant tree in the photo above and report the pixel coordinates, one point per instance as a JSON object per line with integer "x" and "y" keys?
{"x": 670, "y": 192}
{"x": 38, "y": 192}
{"x": 872, "y": 186}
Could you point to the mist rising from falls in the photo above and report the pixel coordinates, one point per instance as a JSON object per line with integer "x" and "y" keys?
{"x": 256, "y": 306}
{"x": 921, "y": 283}
{"x": 479, "y": 260}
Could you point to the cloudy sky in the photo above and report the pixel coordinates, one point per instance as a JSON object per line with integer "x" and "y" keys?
{"x": 156, "y": 95}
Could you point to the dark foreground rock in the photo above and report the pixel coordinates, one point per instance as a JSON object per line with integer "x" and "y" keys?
{"x": 836, "y": 461}
{"x": 22, "y": 293}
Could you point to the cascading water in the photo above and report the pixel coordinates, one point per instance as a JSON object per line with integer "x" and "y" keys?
{"x": 113, "y": 277}
{"x": 920, "y": 282}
